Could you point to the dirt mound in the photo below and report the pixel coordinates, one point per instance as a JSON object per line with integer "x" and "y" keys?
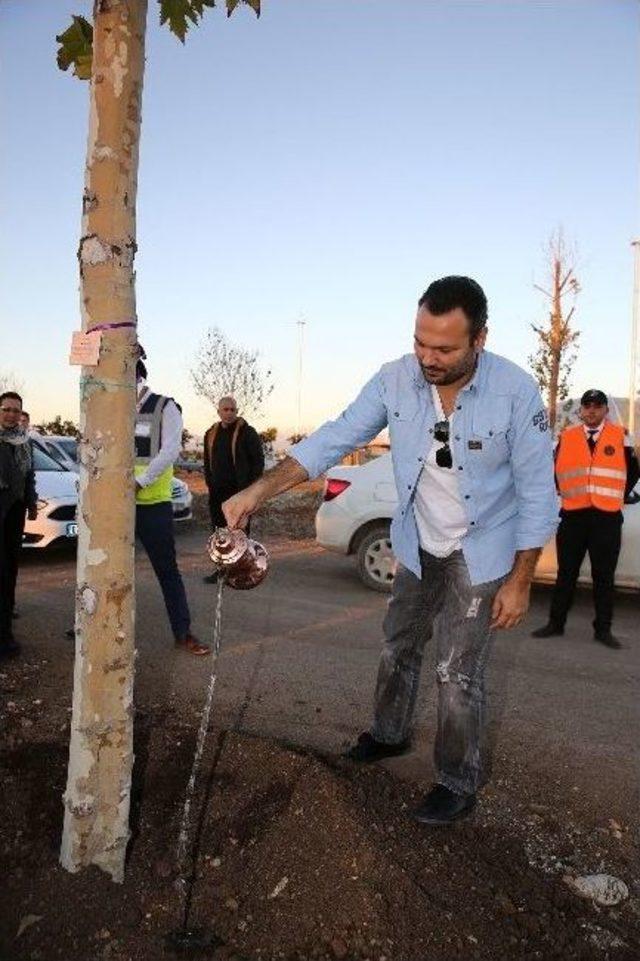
{"x": 292, "y": 514}
{"x": 296, "y": 858}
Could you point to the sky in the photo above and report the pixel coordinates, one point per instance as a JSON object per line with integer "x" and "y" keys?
{"x": 328, "y": 161}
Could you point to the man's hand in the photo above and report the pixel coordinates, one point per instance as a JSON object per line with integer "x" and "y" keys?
{"x": 32, "y": 512}
{"x": 239, "y": 508}
{"x": 510, "y": 604}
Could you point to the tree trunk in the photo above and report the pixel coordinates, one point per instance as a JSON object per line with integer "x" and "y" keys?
{"x": 96, "y": 817}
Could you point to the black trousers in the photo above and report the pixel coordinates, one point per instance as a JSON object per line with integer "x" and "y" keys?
{"x": 600, "y": 534}
{"x": 10, "y": 544}
{"x": 216, "y": 500}
{"x": 154, "y": 528}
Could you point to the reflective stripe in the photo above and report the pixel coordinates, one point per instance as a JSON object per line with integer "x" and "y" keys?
{"x": 578, "y": 472}
{"x": 612, "y": 492}
{"x": 609, "y": 472}
{"x": 606, "y": 492}
{"x": 569, "y": 492}
{"x": 599, "y": 471}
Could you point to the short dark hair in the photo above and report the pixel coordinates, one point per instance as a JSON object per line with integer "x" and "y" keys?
{"x": 12, "y": 394}
{"x": 141, "y": 370}
{"x": 450, "y": 292}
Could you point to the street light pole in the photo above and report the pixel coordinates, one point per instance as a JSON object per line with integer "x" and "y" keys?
{"x": 635, "y": 333}
{"x": 300, "y": 323}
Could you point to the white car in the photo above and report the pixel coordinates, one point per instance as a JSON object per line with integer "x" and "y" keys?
{"x": 65, "y": 451}
{"x": 356, "y": 513}
{"x": 61, "y": 448}
{"x": 57, "y": 490}
{"x": 181, "y": 500}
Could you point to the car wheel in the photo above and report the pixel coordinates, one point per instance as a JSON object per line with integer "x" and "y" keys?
{"x": 376, "y": 560}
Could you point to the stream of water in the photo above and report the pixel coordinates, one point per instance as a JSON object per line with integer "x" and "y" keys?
{"x": 183, "y": 850}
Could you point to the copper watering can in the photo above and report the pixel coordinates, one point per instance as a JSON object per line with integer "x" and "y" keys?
{"x": 242, "y": 562}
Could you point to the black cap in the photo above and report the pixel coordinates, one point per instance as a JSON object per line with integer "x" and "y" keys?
{"x": 594, "y": 397}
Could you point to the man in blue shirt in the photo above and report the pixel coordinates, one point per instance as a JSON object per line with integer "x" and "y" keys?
{"x": 473, "y": 465}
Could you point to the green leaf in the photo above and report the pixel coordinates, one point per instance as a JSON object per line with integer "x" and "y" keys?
{"x": 199, "y": 5}
{"x": 177, "y": 13}
{"x": 254, "y": 4}
{"x": 76, "y": 48}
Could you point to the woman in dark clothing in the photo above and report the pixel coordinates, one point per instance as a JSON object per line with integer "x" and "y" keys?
{"x": 17, "y": 497}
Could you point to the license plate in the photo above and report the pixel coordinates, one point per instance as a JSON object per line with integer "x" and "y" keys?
{"x": 72, "y": 530}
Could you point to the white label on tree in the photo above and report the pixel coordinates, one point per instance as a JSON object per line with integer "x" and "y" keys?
{"x": 85, "y": 348}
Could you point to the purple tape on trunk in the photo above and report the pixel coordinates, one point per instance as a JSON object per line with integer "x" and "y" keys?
{"x": 124, "y": 323}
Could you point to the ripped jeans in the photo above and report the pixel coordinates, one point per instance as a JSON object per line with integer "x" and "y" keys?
{"x": 464, "y": 641}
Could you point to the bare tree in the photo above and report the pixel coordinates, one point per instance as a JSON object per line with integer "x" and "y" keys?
{"x": 553, "y": 360}
{"x": 223, "y": 369}
{"x": 9, "y": 380}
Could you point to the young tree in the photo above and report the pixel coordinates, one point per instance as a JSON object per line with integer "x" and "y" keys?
{"x": 557, "y": 341}
{"x": 109, "y": 53}
{"x": 221, "y": 368}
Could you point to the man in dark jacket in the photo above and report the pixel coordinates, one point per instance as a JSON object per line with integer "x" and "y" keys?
{"x": 233, "y": 459}
{"x": 17, "y": 497}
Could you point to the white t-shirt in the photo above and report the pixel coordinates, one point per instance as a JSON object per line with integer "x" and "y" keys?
{"x": 439, "y": 512}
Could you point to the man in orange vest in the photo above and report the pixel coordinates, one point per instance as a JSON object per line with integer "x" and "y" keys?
{"x": 596, "y": 467}
{"x": 233, "y": 459}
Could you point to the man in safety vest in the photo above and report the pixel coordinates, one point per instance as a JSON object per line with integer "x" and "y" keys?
{"x": 233, "y": 459}
{"x": 158, "y": 438}
{"x": 595, "y": 468}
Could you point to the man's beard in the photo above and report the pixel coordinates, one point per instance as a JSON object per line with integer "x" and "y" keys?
{"x": 444, "y": 376}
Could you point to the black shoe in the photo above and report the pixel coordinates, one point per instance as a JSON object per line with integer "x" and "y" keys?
{"x": 607, "y": 638}
{"x": 367, "y": 749}
{"x": 9, "y": 648}
{"x": 441, "y": 806}
{"x": 549, "y": 630}
{"x": 70, "y": 633}
{"x": 211, "y": 578}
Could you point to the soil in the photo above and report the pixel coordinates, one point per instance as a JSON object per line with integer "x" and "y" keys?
{"x": 297, "y": 856}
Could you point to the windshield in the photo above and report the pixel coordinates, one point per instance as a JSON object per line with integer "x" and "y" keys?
{"x": 42, "y": 460}
{"x": 69, "y": 446}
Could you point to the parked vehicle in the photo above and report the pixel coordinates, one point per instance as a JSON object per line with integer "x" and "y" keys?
{"x": 355, "y": 517}
{"x": 182, "y": 500}
{"x": 57, "y": 487}
{"x": 61, "y": 448}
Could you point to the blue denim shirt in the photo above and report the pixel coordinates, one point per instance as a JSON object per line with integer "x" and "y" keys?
{"x": 502, "y": 455}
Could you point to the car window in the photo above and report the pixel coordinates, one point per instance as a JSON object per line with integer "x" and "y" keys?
{"x": 54, "y": 453}
{"x": 69, "y": 446}
{"x": 43, "y": 461}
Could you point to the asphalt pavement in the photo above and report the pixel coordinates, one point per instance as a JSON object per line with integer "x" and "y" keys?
{"x": 298, "y": 664}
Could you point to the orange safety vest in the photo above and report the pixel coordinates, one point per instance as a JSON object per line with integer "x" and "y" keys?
{"x": 595, "y": 479}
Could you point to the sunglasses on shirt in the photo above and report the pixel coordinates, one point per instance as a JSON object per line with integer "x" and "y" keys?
{"x": 444, "y": 457}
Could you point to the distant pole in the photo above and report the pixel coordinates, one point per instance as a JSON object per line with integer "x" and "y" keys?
{"x": 300, "y": 324}
{"x": 635, "y": 333}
